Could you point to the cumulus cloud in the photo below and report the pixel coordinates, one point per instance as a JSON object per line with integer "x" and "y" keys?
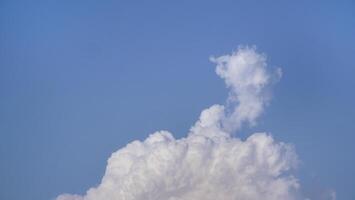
{"x": 245, "y": 74}
{"x": 210, "y": 163}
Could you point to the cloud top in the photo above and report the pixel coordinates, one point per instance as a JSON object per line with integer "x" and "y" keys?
{"x": 209, "y": 163}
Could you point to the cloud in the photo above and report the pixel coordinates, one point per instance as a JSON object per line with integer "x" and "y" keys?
{"x": 210, "y": 163}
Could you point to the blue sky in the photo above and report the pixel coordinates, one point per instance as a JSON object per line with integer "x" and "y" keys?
{"x": 80, "y": 79}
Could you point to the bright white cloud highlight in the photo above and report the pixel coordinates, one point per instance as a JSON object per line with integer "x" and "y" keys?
{"x": 210, "y": 163}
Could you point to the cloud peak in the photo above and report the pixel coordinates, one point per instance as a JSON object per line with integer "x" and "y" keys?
{"x": 209, "y": 163}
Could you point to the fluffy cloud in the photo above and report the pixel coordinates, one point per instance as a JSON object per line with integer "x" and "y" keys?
{"x": 209, "y": 163}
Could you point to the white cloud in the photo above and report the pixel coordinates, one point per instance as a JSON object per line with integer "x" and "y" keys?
{"x": 209, "y": 163}
{"x": 245, "y": 74}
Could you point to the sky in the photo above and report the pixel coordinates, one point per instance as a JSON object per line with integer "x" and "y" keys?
{"x": 81, "y": 79}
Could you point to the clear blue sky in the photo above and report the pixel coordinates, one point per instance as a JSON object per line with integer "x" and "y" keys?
{"x": 80, "y": 79}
